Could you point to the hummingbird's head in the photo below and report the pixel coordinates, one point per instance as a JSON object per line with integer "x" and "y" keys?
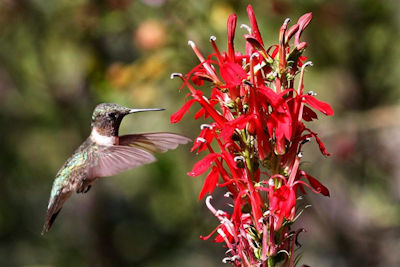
{"x": 107, "y": 117}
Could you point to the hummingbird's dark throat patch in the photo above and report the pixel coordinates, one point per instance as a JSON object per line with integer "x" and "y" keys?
{"x": 108, "y": 127}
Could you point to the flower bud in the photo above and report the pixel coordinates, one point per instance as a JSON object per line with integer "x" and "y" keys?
{"x": 251, "y": 127}
{"x": 301, "y": 46}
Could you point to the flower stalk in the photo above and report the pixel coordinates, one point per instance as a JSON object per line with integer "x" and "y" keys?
{"x": 257, "y": 123}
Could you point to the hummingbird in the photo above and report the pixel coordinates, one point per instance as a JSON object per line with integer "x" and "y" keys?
{"x": 105, "y": 153}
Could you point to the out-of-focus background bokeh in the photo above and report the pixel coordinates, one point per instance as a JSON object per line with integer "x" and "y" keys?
{"x": 58, "y": 59}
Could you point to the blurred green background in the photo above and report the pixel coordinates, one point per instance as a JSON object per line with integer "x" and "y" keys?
{"x": 58, "y": 59}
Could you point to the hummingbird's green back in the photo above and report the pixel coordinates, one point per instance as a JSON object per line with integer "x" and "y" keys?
{"x": 72, "y": 170}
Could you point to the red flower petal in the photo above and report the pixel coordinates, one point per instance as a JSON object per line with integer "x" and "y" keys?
{"x": 303, "y": 23}
{"x": 199, "y": 114}
{"x": 210, "y": 182}
{"x": 219, "y": 238}
{"x": 280, "y": 146}
{"x": 251, "y": 127}
{"x": 197, "y": 143}
{"x": 284, "y": 126}
{"x": 275, "y": 51}
{"x": 273, "y": 98}
{"x": 232, "y": 74}
{"x": 209, "y": 235}
{"x": 254, "y": 42}
{"x": 202, "y": 165}
{"x": 291, "y": 205}
{"x": 320, "y": 144}
{"x": 254, "y": 25}
{"x": 230, "y": 126}
{"x": 205, "y": 134}
{"x": 231, "y": 24}
{"x": 237, "y": 211}
{"x": 304, "y": 20}
{"x": 262, "y": 138}
{"x": 309, "y": 114}
{"x": 198, "y": 78}
{"x": 283, "y": 204}
{"x": 316, "y": 184}
{"x": 177, "y": 116}
{"x": 292, "y": 31}
{"x": 324, "y": 107}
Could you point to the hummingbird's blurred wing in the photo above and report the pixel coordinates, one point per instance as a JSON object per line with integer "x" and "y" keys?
{"x": 112, "y": 160}
{"x": 154, "y": 142}
{"x": 133, "y": 150}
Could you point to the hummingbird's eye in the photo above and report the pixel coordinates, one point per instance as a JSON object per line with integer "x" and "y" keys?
{"x": 112, "y": 115}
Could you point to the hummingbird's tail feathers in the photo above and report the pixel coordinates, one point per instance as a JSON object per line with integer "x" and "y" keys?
{"x": 154, "y": 142}
{"x": 47, "y": 225}
{"x": 54, "y": 208}
{"x": 52, "y": 212}
{"x": 112, "y": 160}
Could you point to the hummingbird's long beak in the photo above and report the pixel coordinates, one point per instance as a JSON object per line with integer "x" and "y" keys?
{"x": 135, "y": 110}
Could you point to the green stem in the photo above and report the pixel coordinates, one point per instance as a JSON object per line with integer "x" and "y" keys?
{"x": 246, "y": 154}
{"x": 276, "y": 170}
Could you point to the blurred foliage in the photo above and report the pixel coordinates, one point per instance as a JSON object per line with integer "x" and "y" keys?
{"x": 58, "y": 59}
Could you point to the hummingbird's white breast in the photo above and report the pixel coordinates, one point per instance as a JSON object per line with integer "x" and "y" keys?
{"x": 103, "y": 139}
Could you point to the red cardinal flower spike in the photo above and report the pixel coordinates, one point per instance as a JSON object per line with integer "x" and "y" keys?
{"x": 252, "y": 146}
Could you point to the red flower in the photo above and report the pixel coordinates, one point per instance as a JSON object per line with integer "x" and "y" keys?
{"x": 232, "y": 74}
{"x": 210, "y": 182}
{"x": 231, "y": 35}
{"x": 205, "y": 137}
{"x": 254, "y": 25}
{"x": 177, "y": 116}
{"x": 318, "y": 105}
{"x": 303, "y": 23}
{"x": 255, "y": 137}
{"x": 320, "y": 188}
{"x": 283, "y": 204}
{"x": 202, "y": 165}
{"x": 236, "y": 124}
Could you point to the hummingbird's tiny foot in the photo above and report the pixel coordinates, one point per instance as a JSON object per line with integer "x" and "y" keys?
{"x": 87, "y": 189}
